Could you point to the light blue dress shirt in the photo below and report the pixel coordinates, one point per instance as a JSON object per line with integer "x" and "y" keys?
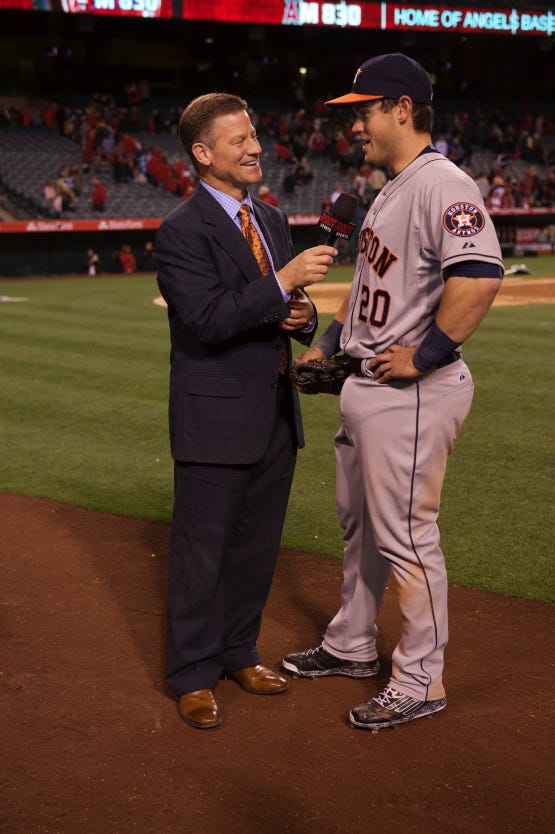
{"x": 231, "y": 207}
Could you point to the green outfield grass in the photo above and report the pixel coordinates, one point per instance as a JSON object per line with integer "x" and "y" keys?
{"x": 84, "y": 402}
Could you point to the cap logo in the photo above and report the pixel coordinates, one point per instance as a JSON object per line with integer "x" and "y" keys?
{"x": 357, "y": 73}
{"x": 463, "y": 220}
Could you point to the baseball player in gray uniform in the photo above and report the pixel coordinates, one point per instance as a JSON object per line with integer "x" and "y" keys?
{"x": 427, "y": 270}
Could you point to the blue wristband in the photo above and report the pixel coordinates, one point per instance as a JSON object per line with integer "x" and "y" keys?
{"x": 435, "y": 347}
{"x": 329, "y": 341}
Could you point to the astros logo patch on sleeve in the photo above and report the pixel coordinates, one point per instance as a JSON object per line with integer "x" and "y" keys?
{"x": 463, "y": 220}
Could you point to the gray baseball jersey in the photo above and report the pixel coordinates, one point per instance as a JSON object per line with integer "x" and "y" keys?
{"x": 427, "y": 218}
{"x": 394, "y": 439}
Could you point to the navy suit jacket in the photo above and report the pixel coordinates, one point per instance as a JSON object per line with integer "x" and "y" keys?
{"x": 225, "y": 339}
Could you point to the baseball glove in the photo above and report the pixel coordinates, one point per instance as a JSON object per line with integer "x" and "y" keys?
{"x": 321, "y": 376}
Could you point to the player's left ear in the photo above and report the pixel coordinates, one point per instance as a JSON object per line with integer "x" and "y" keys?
{"x": 404, "y": 109}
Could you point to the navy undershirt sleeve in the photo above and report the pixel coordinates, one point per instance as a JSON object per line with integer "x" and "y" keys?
{"x": 473, "y": 269}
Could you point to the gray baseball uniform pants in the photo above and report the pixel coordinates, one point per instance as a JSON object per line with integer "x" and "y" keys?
{"x": 391, "y": 455}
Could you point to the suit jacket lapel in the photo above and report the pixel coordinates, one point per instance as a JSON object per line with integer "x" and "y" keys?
{"x": 226, "y": 233}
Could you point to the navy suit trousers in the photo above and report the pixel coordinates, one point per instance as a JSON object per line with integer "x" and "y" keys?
{"x": 225, "y": 537}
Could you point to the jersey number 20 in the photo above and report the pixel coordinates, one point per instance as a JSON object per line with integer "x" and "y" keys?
{"x": 379, "y": 311}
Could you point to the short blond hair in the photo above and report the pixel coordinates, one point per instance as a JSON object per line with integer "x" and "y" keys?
{"x": 196, "y": 122}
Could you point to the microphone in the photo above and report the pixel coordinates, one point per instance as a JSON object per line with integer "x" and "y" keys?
{"x": 336, "y": 223}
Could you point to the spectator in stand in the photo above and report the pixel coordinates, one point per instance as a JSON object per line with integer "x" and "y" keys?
{"x": 53, "y": 199}
{"x": 67, "y": 195}
{"x": 335, "y": 194}
{"x": 342, "y": 150}
{"x": 155, "y": 160}
{"x": 496, "y": 194}
{"x": 154, "y": 124}
{"x": 283, "y": 154}
{"x": 147, "y": 260}
{"x": 138, "y": 176}
{"x": 142, "y": 159}
{"x": 48, "y": 192}
{"x": 107, "y": 144}
{"x": 290, "y": 180}
{"x": 531, "y": 149}
{"x": 300, "y": 144}
{"x": 188, "y": 190}
{"x": 316, "y": 144}
{"x": 303, "y": 172}
{"x": 509, "y": 198}
{"x": 87, "y": 159}
{"x": 442, "y": 145}
{"x": 122, "y": 166}
{"x": 528, "y": 185}
{"x": 163, "y": 172}
{"x": 171, "y": 183}
{"x": 360, "y": 185}
{"x": 130, "y": 145}
{"x": 456, "y": 151}
{"x": 49, "y": 115}
{"x": 266, "y": 196}
{"x": 483, "y": 184}
{"x": 545, "y": 193}
{"x": 102, "y": 132}
{"x": 125, "y": 259}
{"x": 25, "y": 118}
{"x": 172, "y": 121}
{"x": 74, "y": 180}
{"x": 93, "y": 262}
{"x": 98, "y": 196}
{"x": 182, "y": 175}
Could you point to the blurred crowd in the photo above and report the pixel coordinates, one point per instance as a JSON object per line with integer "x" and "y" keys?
{"x": 521, "y": 176}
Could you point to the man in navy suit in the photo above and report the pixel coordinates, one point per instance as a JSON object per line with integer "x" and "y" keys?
{"x": 235, "y": 422}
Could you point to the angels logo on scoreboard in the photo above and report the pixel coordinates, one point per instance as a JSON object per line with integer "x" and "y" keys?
{"x": 303, "y": 12}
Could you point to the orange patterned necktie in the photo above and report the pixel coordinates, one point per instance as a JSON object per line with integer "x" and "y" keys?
{"x": 253, "y": 239}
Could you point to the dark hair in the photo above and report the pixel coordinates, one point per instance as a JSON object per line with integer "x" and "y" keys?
{"x": 195, "y": 124}
{"x": 422, "y": 114}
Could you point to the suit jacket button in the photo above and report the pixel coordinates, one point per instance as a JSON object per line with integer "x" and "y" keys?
{"x": 275, "y": 383}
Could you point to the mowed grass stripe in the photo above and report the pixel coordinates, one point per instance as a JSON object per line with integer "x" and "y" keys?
{"x": 84, "y": 383}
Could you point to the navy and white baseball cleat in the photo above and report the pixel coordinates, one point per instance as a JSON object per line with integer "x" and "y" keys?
{"x": 316, "y": 663}
{"x": 390, "y": 708}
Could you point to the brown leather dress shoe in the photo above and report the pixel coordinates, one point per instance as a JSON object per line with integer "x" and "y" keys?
{"x": 259, "y": 680}
{"x": 199, "y": 709}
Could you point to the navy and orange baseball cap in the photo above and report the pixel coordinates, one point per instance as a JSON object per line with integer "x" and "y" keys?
{"x": 388, "y": 76}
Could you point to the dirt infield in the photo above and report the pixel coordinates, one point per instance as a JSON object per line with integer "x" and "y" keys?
{"x": 91, "y": 742}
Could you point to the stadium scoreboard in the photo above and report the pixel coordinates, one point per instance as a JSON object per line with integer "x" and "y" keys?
{"x": 353, "y": 15}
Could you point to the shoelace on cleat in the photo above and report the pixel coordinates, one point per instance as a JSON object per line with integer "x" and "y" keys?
{"x": 394, "y": 700}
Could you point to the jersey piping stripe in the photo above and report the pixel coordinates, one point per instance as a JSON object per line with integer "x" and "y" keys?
{"x": 357, "y": 279}
{"x": 476, "y": 256}
{"x": 413, "y": 546}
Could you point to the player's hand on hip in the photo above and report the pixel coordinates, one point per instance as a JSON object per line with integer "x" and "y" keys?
{"x": 308, "y": 268}
{"x": 393, "y": 363}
